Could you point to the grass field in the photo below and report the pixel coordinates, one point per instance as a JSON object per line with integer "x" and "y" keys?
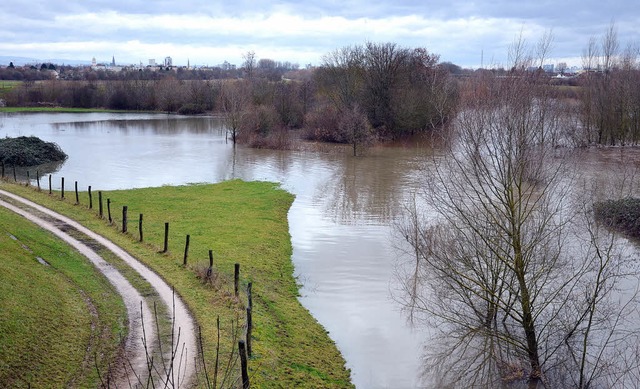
{"x": 47, "y": 312}
{"x": 242, "y": 222}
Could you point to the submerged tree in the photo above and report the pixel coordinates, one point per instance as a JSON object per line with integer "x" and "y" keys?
{"x": 234, "y": 101}
{"x": 495, "y": 273}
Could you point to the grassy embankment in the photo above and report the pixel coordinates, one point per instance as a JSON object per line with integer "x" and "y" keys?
{"x": 47, "y": 312}
{"x": 242, "y": 222}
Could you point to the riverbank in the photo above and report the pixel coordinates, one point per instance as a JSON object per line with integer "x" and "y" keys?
{"x": 244, "y": 223}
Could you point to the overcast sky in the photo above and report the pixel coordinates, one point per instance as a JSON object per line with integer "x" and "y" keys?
{"x": 209, "y": 32}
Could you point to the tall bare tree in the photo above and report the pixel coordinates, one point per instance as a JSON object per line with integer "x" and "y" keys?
{"x": 508, "y": 298}
{"x": 235, "y": 98}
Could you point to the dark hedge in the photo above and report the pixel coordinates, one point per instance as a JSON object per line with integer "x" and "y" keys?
{"x": 29, "y": 151}
{"x": 622, "y": 215}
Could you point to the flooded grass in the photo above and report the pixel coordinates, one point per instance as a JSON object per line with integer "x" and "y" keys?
{"x": 56, "y": 311}
{"x": 242, "y": 222}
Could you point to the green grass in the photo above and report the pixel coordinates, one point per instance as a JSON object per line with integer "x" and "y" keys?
{"x": 242, "y": 222}
{"x": 59, "y": 110}
{"x": 47, "y": 312}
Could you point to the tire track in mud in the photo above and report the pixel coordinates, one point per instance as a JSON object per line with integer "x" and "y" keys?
{"x": 136, "y": 351}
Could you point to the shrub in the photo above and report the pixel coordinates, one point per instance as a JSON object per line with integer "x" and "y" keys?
{"x": 323, "y": 125}
{"x": 191, "y": 109}
{"x": 29, "y": 151}
{"x": 622, "y": 215}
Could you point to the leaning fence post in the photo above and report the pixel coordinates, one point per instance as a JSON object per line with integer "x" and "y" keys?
{"x": 243, "y": 364}
{"x": 249, "y": 296}
{"x": 77, "y": 199}
{"x": 109, "y": 210}
{"x": 166, "y": 237}
{"x": 236, "y": 278}
{"x": 15, "y": 178}
{"x": 124, "y": 219}
{"x": 90, "y": 198}
{"x": 62, "y": 189}
{"x": 186, "y": 250}
{"x": 50, "y": 184}
{"x": 140, "y": 227}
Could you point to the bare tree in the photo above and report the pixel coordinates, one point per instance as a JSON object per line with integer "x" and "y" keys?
{"x": 249, "y": 64}
{"x": 610, "y": 47}
{"x": 494, "y": 273}
{"x": 234, "y": 101}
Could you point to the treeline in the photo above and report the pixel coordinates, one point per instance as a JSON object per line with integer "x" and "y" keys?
{"x": 358, "y": 95}
{"x": 610, "y": 105}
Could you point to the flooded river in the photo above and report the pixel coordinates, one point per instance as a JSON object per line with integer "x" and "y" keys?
{"x": 340, "y": 221}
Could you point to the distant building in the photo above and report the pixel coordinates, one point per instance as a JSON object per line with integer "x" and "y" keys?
{"x": 93, "y": 62}
{"x": 152, "y": 62}
{"x": 227, "y": 66}
{"x": 113, "y": 61}
{"x": 548, "y": 68}
{"x": 168, "y": 62}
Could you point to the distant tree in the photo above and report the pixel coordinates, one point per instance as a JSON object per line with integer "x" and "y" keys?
{"x": 356, "y": 129}
{"x": 169, "y": 94}
{"x": 401, "y": 90}
{"x": 11, "y": 65}
{"x": 51, "y": 67}
{"x": 44, "y": 66}
{"x": 249, "y": 64}
{"x": 234, "y": 101}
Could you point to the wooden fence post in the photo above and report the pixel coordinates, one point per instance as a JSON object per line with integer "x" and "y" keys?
{"x": 62, "y": 189}
{"x": 124, "y": 219}
{"x": 109, "y": 210}
{"x": 166, "y": 237}
{"x": 100, "y": 203}
{"x": 140, "y": 227}
{"x": 15, "y": 178}
{"x": 249, "y": 296}
{"x": 38, "y": 179}
{"x": 249, "y": 329}
{"x": 28, "y": 178}
{"x": 50, "y": 184}
{"x": 77, "y": 199}
{"x": 186, "y": 250}
{"x": 236, "y": 278}
{"x": 210, "y": 269}
{"x": 90, "y": 198}
{"x": 243, "y": 364}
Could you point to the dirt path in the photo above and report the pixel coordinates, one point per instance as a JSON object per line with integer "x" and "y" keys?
{"x": 183, "y": 369}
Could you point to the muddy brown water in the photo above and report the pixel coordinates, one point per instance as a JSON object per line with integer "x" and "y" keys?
{"x": 340, "y": 222}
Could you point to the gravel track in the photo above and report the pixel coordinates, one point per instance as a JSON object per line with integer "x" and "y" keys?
{"x": 183, "y": 369}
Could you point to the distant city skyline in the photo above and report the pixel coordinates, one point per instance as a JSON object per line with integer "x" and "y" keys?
{"x": 467, "y": 33}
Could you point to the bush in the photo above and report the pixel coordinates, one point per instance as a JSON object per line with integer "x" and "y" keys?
{"x": 259, "y": 120}
{"x": 191, "y": 109}
{"x": 323, "y": 125}
{"x": 29, "y": 151}
{"x": 622, "y": 215}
